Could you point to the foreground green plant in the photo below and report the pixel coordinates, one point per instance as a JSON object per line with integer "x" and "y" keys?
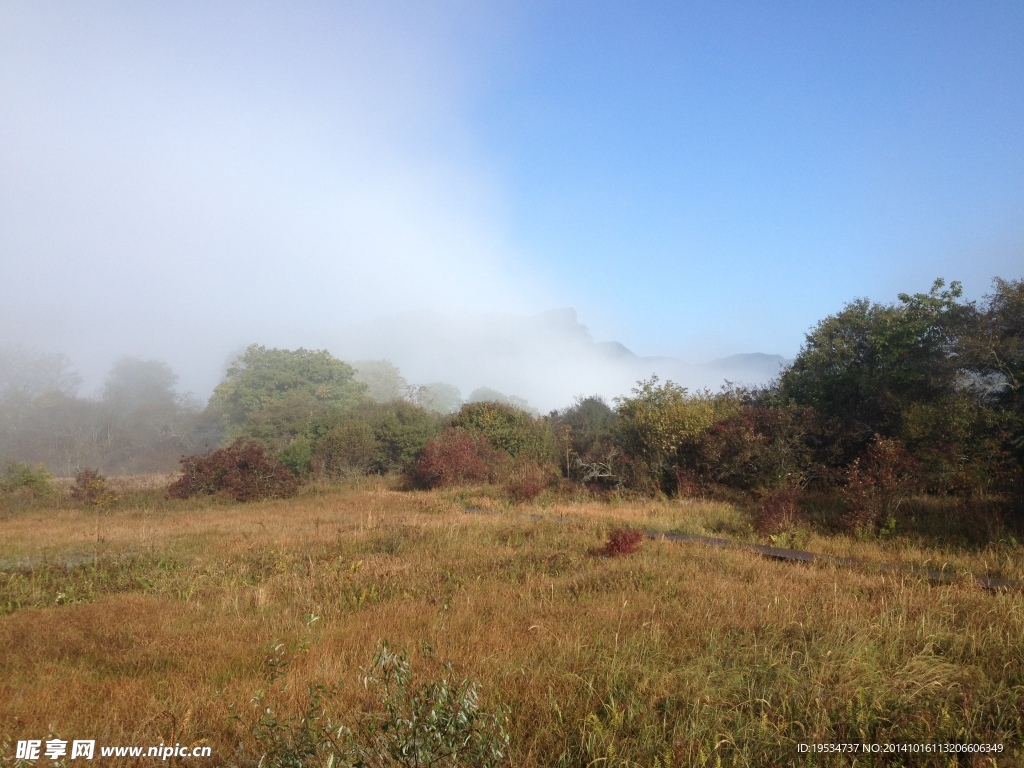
{"x": 437, "y": 724}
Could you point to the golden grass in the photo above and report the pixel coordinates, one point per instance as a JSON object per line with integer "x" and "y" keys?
{"x": 678, "y": 654}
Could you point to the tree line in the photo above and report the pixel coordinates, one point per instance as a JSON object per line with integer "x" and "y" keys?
{"x": 919, "y": 396}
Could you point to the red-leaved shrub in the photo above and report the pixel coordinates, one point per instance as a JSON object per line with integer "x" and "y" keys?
{"x": 455, "y": 457}
{"x": 622, "y": 541}
{"x": 527, "y": 480}
{"x": 242, "y": 471}
{"x": 877, "y": 485}
{"x": 778, "y": 511}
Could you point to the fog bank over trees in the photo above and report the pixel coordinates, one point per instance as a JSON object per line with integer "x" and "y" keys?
{"x": 546, "y": 358}
{"x": 139, "y": 413}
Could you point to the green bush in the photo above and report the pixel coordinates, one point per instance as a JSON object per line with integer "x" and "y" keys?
{"x": 26, "y": 480}
{"x": 508, "y": 429}
{"x": 587, "y": 451}
{"x": 436, "y": 724}
{"x": 348, "y": 449}
{"x": 374, "y": 438}
{"x": 659, "y": 429}
{"x": 401, "y": 429}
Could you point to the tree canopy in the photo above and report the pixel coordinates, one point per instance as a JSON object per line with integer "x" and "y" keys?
{"x": 867, "y": 365}
{"x": 383, "y": 380}
{"x": 262, "y": 375}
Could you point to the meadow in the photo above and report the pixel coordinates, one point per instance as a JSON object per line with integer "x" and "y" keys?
{"x": 208, "y": 622}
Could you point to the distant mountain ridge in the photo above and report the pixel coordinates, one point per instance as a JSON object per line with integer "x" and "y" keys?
{"x": 548, "y": 358}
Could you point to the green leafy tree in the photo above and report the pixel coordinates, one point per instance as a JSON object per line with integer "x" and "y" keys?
{"x": 383, "y": 380}
{"x": 438, "y": 397}
{"x": 375, "y": 438}
{"x": 864, "y": 367}
{"x": 400, "y": 429}
{"x": 489, "y": 395}
{"x": 27, "y": 373}
{"x": 147, "y": 423}
{"x": 31, "y": 384}
{"x": 589, "y": 420}
{"x": 993, "y": 354}
{"x": 261, "y": 376}
{"x": 133, "y": 384}
{"x": 994, "y": 348}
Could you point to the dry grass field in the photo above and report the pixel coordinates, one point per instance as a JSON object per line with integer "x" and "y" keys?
{"x": 182, "y": 622}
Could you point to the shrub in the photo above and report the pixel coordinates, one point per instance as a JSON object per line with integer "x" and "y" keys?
{"x": 778, "y": 511}
{"x": 350, "y": 448}
{"x": 242, "y": 471}
{"x": 374, "y": 438}
{"x": 508, "y": 429}
{"x": 877, "y": 485}
{"x": 437, "y": 723}
{"x": 597, "y": 471}
{"x": 622, "y": 541}
{"x": 92, "y": 489}
{"x": 456, "y": 457}
{"x": 297, "y": 456}
{"x": 585, "y": 431}
{"x": 401, "y": 430}
{"x": 760, "y": 447}
{"x": 527, "y": 480}
{"x": 26, "y": 480}
{"x": 661, "y": 426}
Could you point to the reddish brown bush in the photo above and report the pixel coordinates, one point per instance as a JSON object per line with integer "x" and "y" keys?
{"x": 778, "y": 511}
{"x": 878, "y": 484}
{"x": 622, "y": 541}
{"x": 242, "y": 471}
{"x": 527, "y": 481}
{"x": 456, "y": 457}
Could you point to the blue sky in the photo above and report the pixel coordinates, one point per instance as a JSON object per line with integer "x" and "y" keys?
{"x": 179, "y": 179}
{"x": 737, "y": 171}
